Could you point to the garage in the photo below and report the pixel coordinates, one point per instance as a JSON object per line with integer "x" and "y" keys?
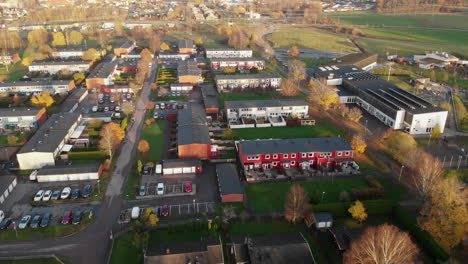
{"x": 7, "y": 184}
{"x": 78, "y": 172}
{"x": 181, "y": 166}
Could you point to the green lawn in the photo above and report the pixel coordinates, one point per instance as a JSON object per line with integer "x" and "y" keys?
{"x": 132, "y": 185}
{"x": 15, "y": 71}
{"x": 419, "y": 35}
{"x": 21, "y": 136}
{"x": 321, "y": 129}
{"x": 209, "y": 40}
{"x": 123, "y": 252}
{"x": 165, "y": 236}
{"x": 155, "y": 135}
{"x": 245, "y": 96}
{"x": 311, "y": 39}
{"x": 460, "y": 113}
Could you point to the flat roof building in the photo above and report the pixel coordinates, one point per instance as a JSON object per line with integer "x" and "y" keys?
{"x": 24, "y": 118}
{"x": 193, "y": 137}
{"x": 29, "y": 87}
{"x": 229, "y": 184}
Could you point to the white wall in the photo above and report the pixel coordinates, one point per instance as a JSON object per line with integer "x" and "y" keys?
{"x": 69, "y": 177}
{"x": 35, "y": 160}
{"x": 422, "y": 122}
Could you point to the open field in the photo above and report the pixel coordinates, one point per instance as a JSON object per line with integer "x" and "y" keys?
{"x": 124, "y": 251}
{"x": 209, "y": 40}
{"x": 419, "y": 35}
{"x": 413, "y": 20}
{"x": 310, "y": 39}
{"x": 321, "y": 129}
{"x": 154, "y": 134}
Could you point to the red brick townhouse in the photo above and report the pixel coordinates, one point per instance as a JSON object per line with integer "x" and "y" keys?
{"x": 286, "y": 153}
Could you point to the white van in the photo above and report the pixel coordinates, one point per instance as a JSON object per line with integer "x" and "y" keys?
{"x": 33, "y": 175}
{"x": 94, "y": 109}
{"x": 135, "y": 212}
{"x": 158, "y": 169}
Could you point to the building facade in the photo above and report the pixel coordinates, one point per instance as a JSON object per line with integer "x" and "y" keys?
{"x": 7, "y": 59}
{"x": 125, "y": 48}
{"x": 247, "y": 81}
{"x": 228, "y": 53}
{"x": 266, "y": 108}
{"x": 22, "y": 118}
{"x": 31, "y": 87}
{"x": 188, "y": 72}
{"x": 238, "y": 63}
{"x": 57, "y": 66}
{"x": 185, "y": 46}
{"x": 304, "y": 153}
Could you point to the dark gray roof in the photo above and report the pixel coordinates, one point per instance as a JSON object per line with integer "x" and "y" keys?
{"x": 195, "y": 114}
{"x": 323, "y": 217}
{"x": 178, "y": 163}
{"x": 265, "y": 103}
{"x": 279, "y": 249}
{"x": 5, "y": 181}
{"x": 51, "y": 133}
{"x": 185, "y": 43}
{"x": 68, "y": 169}
{"x": 247, "y": 76}
{"x": 210, "y": 96}
{"x": 67, "y": 62}
{"x": 208, "y": 90}
{"x": 77, "y": 94}
{"x": 34, "y": 83}
{"x": 188, "y": 67}
{"x": 19, "y": 111}
{"x": 236, "y": 59}
{"x": 228, "y": 179}
{"x": 103, "y": 69}
{"x": 192, "y": 126}
{"x": 67, "y": 106}
{"x": 127, "y": 44}
{"x": 269, "y": 146}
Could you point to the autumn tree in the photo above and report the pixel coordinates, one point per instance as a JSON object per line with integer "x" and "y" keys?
{"x": 119, "y": 29}
{"x": 16, "y": 99}
{"x": 294, "y": 51}
{"x": 297, "y": 204}
{"x": 111, "y": 137}
{"x": 74, "y": 38}
{"x": 400, "y": 144}
{"x": 228, "y": 134}
{"x": 289, "y": 88}
{"x": 95, "y": 123}
{"x": 58, "y": 39}
{"x": 358, "y": 144}
{"x": 358, "y": 211}
{"x": 322, "y": 95}
{"x": 143, "y": 146}
{"x": 428, "y": 171}
{"x": 435, "y": 132}
{"x": 79, "y": 77}
{"x": 229, "y": 70}
{"x": 149, "y": 219}
{"x": 43, "y": 99}
{"x": 90, "y": 54}
{"x": 127, "y": 108}
{"x": 154, "y": 43}
{"x": 296, "y": 70}
{"x": 12, "y": 140}
{"x": 150, "y": 105}
{"x": 38, "y": 37}
{"x": 444, "y": 214}
{"x": 382, "y": 244}
{"x": 165, "y": 47}
{"x": 146, "y": 55}
{"x": 354, "y": 114}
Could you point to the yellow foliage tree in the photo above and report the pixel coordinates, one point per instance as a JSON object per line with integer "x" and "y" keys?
{"x": 164, "y": 46}
{"x": 358, "y": 144}
{"x": 400, "y": 144}
{"x": 444, "y": 215}
{"x": 143, "y": 146}
{"x": 322, "y": 95}
{"x": 12, "y": 140}
{"x": 58, "y": 39}
{"x": 43, "y": 99}
{"x": 111, "y": 136}
{"x": 435, "y": 132}
{"x": 358, "y": 211}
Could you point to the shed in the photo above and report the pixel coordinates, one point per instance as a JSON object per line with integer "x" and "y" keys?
{"x": 78, "y": 172}
{"x": 7, "y": 184}
{"x": 323, "y": 220}
{"x": 229, "y": 184}
{"x": 181, "y": 166}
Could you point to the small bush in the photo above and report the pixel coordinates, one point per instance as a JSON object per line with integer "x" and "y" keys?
{"x": 367, "y": 193}
{"x": 89, "y": 155}
{"x": 344, "y": 197}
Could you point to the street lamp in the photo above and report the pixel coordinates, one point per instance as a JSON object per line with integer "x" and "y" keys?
{"x": 193, "y": 205}
{"x": 323, "y": 193}
{"x": 366, "y": 124}
{"x": 14, "y": 227}
{"x": 99, "y": 186}
{"x": 401, "y": 171}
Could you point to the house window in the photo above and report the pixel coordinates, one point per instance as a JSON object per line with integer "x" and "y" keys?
{"x": 275, "y": 163}
{"x": 285, "y": 156}
{"x": 261, "y": 108}
{"x": 275, "y": 156}
{"x": 293, "y": 163}
{"x": 347, "y": 153}
{"x": 321, "y": 154}
{"x": 267, "y": 156}
{"x": 311, "y": 154}
{"x": 293, "y": 155}
{"x": 340, "y": 153}
{"x": 304, "y": 155}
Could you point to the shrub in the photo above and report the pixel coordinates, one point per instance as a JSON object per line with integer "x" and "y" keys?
{"x": 89, "y": 155}
{"x": 315, "y": 197}
{"x": 367, "y": 193}
{"x": 344, "y": 197}
{"x": 373, "y": 207}
{"x": 93, "y": 133}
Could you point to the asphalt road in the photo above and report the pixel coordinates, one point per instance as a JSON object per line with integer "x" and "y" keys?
{"x": 92, "y": 245}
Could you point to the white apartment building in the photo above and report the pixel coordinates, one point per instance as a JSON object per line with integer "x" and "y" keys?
{"x": 31, "y": 87}
{"x": 228, "y": 53}
{"x": 57, "y": 66}
{"x": 266, "y": 108}
{"x": 247, "y": 81}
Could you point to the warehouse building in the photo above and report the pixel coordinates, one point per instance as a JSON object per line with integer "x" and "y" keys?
{"x": 77, "y": 172}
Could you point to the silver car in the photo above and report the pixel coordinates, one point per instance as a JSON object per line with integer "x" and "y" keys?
{"x": 24, "y": 222}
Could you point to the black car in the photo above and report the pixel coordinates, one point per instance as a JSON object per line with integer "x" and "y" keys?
{"x": 5, "y": 223}
{"x": 87, "y": 191}
{"x": 77, "y": 218}
{"x": 146, "y": 170}
{"x": 45, "y": 220}
{"x": 75, "y": 194}
{"x": 55, "y": 195}
{"x": 36, "y": 221}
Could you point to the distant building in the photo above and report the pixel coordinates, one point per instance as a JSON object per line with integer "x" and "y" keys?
{"x": 57, "y": 66}
{"x": 30, "y": 87}
{"x": 102, "y": 75}
{"x": 185, "y": 46}
{"x": 181, "y": 166}
{"x": 228, "y": 53}
{"x": 247, "y": 81}
{"x": 173, "y": 56}
{"x": 66, "y": 54}
{"x": 237, "y": 63}
{"x": 48, "y": 141}
{"x": 76, "y": 172}
{"x": 435, "y": 59}
{"x": 125, "y": 48}
{"x": 24, "y": 118}
{"x": 7, "y": 59}
{"x": 210, "y": 99}
{"x": 364, "y": 61}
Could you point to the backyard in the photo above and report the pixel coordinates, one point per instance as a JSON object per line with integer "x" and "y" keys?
{"x": 155, "y": 135}
{"x": 222, "y": 97}
{"x": 321, "y": 129}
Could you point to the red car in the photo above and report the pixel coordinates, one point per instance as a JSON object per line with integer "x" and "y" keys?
{"x": 165, "y": 210}
{"x": 67, "y": 216}
{"x": 188, "y": 187}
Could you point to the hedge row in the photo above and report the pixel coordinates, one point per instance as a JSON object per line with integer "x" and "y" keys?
{"x": 422, "y": 238}
{"x": 88, "y": 155}
{"x": 373, "y": 207}
{"x": 93, "y": 133}
{"x": 392, "y": 72}
{"x": 85, "y": 149}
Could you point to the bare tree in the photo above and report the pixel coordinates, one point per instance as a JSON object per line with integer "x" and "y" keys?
{"x": 297, "y": 204}
{"x": 354, "y": 114}
{"x": 289, "y": 88}
{"x": 429, "y": 170}
{"x": 382, "y": 244}
{"x": 296, "y": 70}
{"x": 322, "y": 95}
{"x": 127, "y": 108}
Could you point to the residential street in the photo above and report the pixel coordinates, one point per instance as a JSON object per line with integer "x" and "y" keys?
{"x": 92, "y": 245}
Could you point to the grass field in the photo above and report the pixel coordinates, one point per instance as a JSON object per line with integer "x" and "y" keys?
{"x": 245, "y": 96}
{"x": 321, "y": 129}
{"x": 311, "y": 39}
{"x": 419, "y": 35}
{"x": 154, "y": 134}
{"x": 209, "y": 40}
{"x": 422, "y": 20}
{"x": 124, "y": 252}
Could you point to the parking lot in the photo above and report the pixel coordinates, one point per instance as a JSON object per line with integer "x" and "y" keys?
{"x": 190, "y": 208}
{"x": 164, "y": 109}
{"x": 170, "y": 190}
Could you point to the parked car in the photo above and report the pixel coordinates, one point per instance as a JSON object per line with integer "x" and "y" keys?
{"x": 5, "y": 223}
{"x": 188, "y": 187}
{"x": 165, "y": 210}
{"x": 112, "y": 108}
{"x": 39, "y": 195}
{"x": 112, "y": 99}
{"x": 142, "y": 191}
{"x": 100, "y": 109}
{"x": 129, "y": 96}
{"x": 2, "y": 215}
{"x": 158, "y": 169}
{"x": 36, "y": 221}
{"x": 157, "y": 211}
{"x": 65, "y": 193}
{"x": 117, "y": 108}
{"x": 77, "y": 218}
{"x": 135, "y": 212}
{"x": 47, "y": 196}
{"x": 160, "y": 188}
{"x": 155, "y": 115}
{"x": 156, "y": 107}
{"x": 45, "y": 220}
{"x": 106, "y": 109}
{"x": 146, "y": 170}
{"x": 55, "y": 195}
{"x": 179, "y": 106}
{"x": 24, "y": 222}
{"x": 94, "y": 109}
{"x": 100, "y": 101}
{"x": 76, "y": 193}
{"x": 163, "y": 106}
{"x": 174, "y": 106}
{"x": 66, "y": 218}
{"x": 87, "y": 191}
{"x": 168, "y": 106}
